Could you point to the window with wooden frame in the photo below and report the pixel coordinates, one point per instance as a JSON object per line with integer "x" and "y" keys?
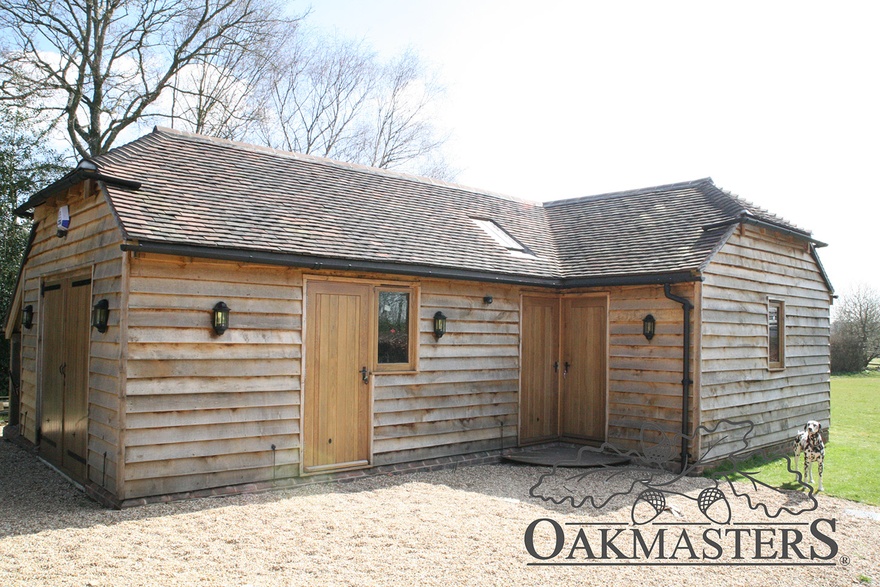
{"x": 776, "y": 332}
{"x": 396, "y": 328}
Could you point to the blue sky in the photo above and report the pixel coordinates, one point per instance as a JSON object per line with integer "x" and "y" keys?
{"x": 776, "y": 101}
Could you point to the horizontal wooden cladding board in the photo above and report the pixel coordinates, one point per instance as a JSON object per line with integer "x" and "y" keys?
{"x": 188, "y": 269}
{"x": 807, "y": 290}
{"x": 462, "y": 327}
{"x": 233, "y": 430}
{"x": 713, "y": 292}
{"x": 212, "y": 448}
{"x": 428, "y": 390}
{"x": 194, "y": 482}
{"x": 468, "y": 364}
{"x": 199, "y": 368}
{"x": 430, "y": 351}
{"x": 766, "y": 394}
{"x": 461, "y": 304}
{"x": 208, "y": 385}
{"x": 137, "y": 470}
{"x": 767, "y": 432}
{"x": 422, "y": 404}
{"x": 175, "y": 318}
{"x": 221, "y": 416}
{"x": 464, "y": 378}
{"x": 442, "y": 450}
{"x": 213, "y": 288}
{"x": 453, "y": 337}
{"x": 730, "y": 381}
{"x": 451, "y": 413}
{"x": 152, "y": 301}
{"x": 211, "y": 351}
{"x": 206, "y": 401}
{"x": 205, "y": 335}
{"x": 393, "y": 443}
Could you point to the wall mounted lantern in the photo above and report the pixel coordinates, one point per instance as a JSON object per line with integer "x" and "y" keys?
{"x": 27, "y": 316}
{"x": 101, "y": 315}
{"x": 439, "y": 325}
{"x": 648, "y": 326}
{"x": 221, "y": 318}
{"x": 487, "y": 299}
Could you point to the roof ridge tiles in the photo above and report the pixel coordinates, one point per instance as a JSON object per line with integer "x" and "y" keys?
{"x": 390, "y": 173}
{"x": 634, "y": 192}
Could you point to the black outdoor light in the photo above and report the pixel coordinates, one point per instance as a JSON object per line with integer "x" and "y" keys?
{"x": 648, "y": 325}
{"x": 221, "y": 318}
{"x": 27, "y": 316}
{"x": 439, "y": 325}
{"x": 101, "y": 315}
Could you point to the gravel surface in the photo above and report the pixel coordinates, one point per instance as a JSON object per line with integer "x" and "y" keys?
{"x": 452, "y": 527}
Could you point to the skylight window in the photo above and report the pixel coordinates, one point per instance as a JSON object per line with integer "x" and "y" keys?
{"x": 499, "y": 235}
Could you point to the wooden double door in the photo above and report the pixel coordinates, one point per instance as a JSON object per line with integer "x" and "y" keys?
{"x": 337, "y": 414}
{"x": 563, "y": 368}
{"x": 64, "y": 373}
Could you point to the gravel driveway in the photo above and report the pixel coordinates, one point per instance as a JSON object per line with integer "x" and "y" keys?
{"x": 452, "y": 527}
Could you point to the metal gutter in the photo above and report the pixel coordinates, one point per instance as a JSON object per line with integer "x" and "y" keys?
{"x": 327, "y": 263}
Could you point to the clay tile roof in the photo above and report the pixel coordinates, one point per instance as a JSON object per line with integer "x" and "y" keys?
{"x": 210, "y": 193}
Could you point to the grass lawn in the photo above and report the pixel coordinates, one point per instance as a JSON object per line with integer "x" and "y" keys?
{"x": 854, "y": 448}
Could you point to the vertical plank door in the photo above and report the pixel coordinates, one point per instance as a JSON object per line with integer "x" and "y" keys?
{"x": 582, "y": 405}
{"x": 76, "y": 388}
{"x": 337, "y": 412}
{"x": 64, "y": 375}
{"x": 52, "y": 370}
{"x": 539, "y": 384}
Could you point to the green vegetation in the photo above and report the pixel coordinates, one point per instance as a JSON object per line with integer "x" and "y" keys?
{"x": 853, "y": 450}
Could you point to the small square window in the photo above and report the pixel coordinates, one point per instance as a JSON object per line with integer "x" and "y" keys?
{"x": 776, "y": 334}
{"x": 395, "y": 341}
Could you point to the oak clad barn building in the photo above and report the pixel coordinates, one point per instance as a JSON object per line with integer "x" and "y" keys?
{"x": 216, "y": 314}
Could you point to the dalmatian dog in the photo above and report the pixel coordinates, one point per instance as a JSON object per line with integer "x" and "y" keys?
{"x": 809, "y": 441}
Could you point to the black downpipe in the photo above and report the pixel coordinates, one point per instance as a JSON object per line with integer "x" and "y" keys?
{"x": 686, "y": 380}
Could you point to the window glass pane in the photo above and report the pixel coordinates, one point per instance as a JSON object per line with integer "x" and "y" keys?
{"x": 393, "y": 327}
{"x": 774, "y": 333}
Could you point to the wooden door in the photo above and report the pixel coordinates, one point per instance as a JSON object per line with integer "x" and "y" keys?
{"x": 64, "y": 378}
{"x": 77, "y": 331}
{"x": 337, "y": 404}
{"x": 52, "y": 372}
{"x": 584, "y": 365}
{"x": 539, "y": 383}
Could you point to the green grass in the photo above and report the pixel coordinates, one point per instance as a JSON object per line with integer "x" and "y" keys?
{"x": 853, "y": 451}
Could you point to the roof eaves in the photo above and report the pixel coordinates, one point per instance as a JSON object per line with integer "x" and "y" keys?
{"x": 338, "y": 263}
{"x": 70, "y": 179}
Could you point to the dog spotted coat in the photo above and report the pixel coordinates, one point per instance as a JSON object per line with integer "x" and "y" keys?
{"x": 809, "y": 441}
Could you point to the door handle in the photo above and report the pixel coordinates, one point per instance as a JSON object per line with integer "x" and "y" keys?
{"x": 365, "y": 377}
{"x": 62, "y": 368}
{"x": 565, "y": 368}
{"x": 556, "y": 366}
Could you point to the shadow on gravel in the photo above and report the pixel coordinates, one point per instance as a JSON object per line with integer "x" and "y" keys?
{"x": 35, "y": 498}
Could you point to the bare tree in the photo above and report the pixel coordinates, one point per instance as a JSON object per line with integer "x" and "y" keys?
{"x": 215, "y": 94}
{"x": 335, "y": 99}
{"x": 855, "y": 333}
{"x": 402, "y": 130}
{"x": 316, "y": 96}
{"x": 101, "y": 64}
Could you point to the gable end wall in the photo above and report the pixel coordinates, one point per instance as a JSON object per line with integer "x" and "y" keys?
{"x": 754, "y": 266}
{"x": 92, "y": 247}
